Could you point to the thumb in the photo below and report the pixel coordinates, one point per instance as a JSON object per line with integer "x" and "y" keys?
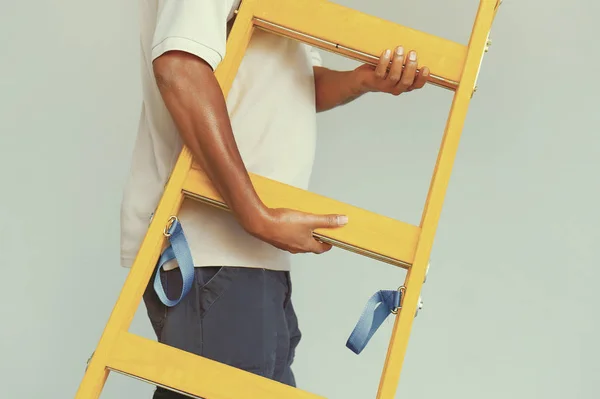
{"x": 330, "y": 221}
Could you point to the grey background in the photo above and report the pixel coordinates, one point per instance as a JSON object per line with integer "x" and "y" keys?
{"x": 510, "y": 304}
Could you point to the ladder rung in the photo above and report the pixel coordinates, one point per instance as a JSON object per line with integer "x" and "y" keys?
{"x": 361, "y": 36}
{"x": 192, "y": 375}
{"x": 388, "y": 240}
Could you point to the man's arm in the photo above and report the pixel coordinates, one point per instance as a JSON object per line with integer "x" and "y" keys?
{"x": 188, "y": 43}
{"x": 195, "y": 101}
{"x": 335, "y": 88}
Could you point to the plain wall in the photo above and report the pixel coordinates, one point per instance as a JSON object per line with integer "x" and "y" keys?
{"x": 510, "y": 302}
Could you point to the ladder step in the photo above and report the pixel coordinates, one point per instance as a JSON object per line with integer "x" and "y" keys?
{"x": 360, "y": 36}
{"x": 192, "y": 375}
{"x": 389, "y": 240}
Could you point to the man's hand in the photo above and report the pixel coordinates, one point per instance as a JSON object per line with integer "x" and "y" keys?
{"x": 396, "y": 80}
{"x": 335, "y": 88}
{"x": 292, "y": 231}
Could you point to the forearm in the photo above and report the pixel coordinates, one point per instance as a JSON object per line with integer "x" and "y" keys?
{"x": 195, "y": 101}
{"x": 335, "y": 88}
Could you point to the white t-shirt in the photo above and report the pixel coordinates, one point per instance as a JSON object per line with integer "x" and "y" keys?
{"x": 272, "y": 110}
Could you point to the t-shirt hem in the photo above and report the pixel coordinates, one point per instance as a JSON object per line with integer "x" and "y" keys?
{"x": 208, "y": 54}
{"x": 127, "y": 263}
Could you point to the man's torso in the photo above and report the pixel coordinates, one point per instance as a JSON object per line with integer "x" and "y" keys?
{"x": 272, "y": 110}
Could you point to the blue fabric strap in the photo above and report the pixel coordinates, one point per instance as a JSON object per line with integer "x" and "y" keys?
{"x": 179, "y": 250}
{"x": 378, "y": 308}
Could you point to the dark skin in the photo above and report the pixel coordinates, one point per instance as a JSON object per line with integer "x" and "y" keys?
{"x": 196, "y": 103}
{"x": 335, "y": 88}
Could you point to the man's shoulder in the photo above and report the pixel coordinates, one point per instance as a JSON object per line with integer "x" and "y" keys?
{"x": 198, "y": 27}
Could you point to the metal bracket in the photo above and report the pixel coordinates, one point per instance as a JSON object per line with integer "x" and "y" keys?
{"x": 420, "y": 304}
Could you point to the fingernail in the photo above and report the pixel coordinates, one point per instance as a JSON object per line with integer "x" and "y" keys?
{"x": 400, "y": 51}
{"x": 342, "y": 220}
{"x": 388, "y": 52}
{"x": 412, "y": 56}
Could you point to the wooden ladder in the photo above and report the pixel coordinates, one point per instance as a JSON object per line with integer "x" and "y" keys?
{"x": 352, "y": 34}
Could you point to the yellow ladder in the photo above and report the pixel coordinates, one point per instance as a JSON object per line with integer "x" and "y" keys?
{"x": 353, "y": 34}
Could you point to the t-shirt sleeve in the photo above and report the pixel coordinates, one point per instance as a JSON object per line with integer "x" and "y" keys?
{"x": 198, "y": 27}
{"x": 315, "y": 57}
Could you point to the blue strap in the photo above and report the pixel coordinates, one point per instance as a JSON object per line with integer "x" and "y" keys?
{"x": 378, "y": 308}
{"x": 179, "y": 250}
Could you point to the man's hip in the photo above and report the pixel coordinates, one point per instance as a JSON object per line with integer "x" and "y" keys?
{"x": 242, "y": 317}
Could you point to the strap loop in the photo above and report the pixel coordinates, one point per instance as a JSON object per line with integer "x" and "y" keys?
{"x": 377, "y": 309}
{"x": 179, "y": 250}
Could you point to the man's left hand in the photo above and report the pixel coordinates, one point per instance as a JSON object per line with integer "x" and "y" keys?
{"x": 396, "y": 80}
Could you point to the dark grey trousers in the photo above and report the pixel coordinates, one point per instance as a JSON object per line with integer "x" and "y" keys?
{"x": 242, "y": 317}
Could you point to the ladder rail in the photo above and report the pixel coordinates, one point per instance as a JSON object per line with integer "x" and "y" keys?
{"x": 435, "y": 199}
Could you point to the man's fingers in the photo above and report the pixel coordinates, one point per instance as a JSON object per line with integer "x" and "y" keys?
{"x": 421, "y": 79}
{"x": 384, "y": 62}
{"x": 408, "y": 76}
{"x": 396, "y": 69}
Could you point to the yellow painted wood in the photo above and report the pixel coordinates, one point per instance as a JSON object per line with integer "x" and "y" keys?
{"x": 355, "y": 35}
{"x": 237, "y": 43}
{"x": 435, "y": 199}
{"x": 367, "y": 231}
{"x": 135, "y": 284}
{"x": 362, "y": 33}
{"x": 191, "y": 374}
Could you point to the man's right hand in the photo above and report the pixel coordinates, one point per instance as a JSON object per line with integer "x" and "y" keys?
{"x": 292, "y": 230}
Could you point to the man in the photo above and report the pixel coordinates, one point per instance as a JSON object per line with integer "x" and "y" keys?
{"x": 239, "y": 312}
